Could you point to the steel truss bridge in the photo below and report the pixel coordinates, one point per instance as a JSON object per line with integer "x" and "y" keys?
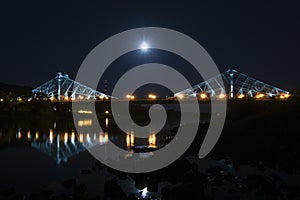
{"x": 62, "y": 87}
{"x": 236, "y": 85}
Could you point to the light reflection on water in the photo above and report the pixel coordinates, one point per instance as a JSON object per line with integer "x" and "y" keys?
{"x": 60, "y": 145}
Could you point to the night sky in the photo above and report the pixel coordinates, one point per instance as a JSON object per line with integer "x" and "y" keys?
{"x": 39, "y": 39}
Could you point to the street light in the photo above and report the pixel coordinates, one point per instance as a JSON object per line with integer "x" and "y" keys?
{"x": 152, "y": 96}
{"x": 131, "y": 97}
{"x": 259, "y": 96}
{"x": 284, "y": 96}
{"x": 203, "y": 96}
{"x": 180, "y": 96}
{"x": 241, "y": 96}
{"x": 222, "y": 96}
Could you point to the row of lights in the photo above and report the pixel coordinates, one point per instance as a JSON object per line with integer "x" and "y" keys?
{"x": 204, "y": 96}
{"x": 150, "y": 96}
{"x": 80, "y": 97}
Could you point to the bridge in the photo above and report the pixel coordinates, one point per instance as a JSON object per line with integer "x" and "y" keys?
{"x": 236, "y": 85}
{"x": 61, "y": 87}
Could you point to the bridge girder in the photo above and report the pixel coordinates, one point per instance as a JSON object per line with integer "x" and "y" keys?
{"x": 62, "y": 86}
{"x": 235, "y": 84}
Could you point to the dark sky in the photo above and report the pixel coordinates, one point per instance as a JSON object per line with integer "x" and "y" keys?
{"x": 39, "y": 39}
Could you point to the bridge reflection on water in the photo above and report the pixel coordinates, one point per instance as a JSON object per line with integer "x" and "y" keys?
{"x": 61, "y": 145}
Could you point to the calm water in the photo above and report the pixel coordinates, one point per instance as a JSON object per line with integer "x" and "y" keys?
{"x": 38, "y": 152}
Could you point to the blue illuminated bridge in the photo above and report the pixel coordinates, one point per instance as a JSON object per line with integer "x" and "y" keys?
{"x": 62, "y": 88}
{"x": 236, "y": 85}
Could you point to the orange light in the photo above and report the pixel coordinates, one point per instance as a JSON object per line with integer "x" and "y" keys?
{"x": 259, "y": 96}
{"x": 36, "y": 135}
{"x": 203, "y": 96}
{"x": 152, "y": 140}
{"x": 81, "y": 138}
{"x": 180, "y": 96}
{"x": 106, "y": 122}
{"x": 241, "y": 96}
{"x": 222, "y": 96}
{"x": 66, "y": 137}
{"x": 128, "y": 96}
{"x": 152, "y": 96}
{"x": 51, "y": 135}
{"x": 28, "y": 134}
{"x": 106, "y": 137}
{"x": 128, "y": 140}
{"x": 132, "y": 138}
{"x": 284, "y": 96}
{"x": 101, "y": 138}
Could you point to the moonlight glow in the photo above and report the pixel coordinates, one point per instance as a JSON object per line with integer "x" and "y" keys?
{"x": 144, "y": 46}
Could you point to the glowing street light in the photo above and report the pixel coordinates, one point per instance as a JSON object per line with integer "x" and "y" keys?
{"x": 131, "y": 97}
{"x": 241, "y": 96}
{"x": 203, "y": 96}
{"x": 259, "y": 96}
{"x": 152, "y": 96}
{"x": 222, "y": 96}
{"x": 284, "y": 96}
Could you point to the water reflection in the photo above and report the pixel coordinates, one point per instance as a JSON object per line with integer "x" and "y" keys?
{"x": 85, "y": 122}
{"x": 62, "y": 144}
{"x": 129, "y": 139}
{"x": 152, "y": 139}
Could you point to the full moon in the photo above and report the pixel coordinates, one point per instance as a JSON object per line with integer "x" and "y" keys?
{"x": 144, "y": 46}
